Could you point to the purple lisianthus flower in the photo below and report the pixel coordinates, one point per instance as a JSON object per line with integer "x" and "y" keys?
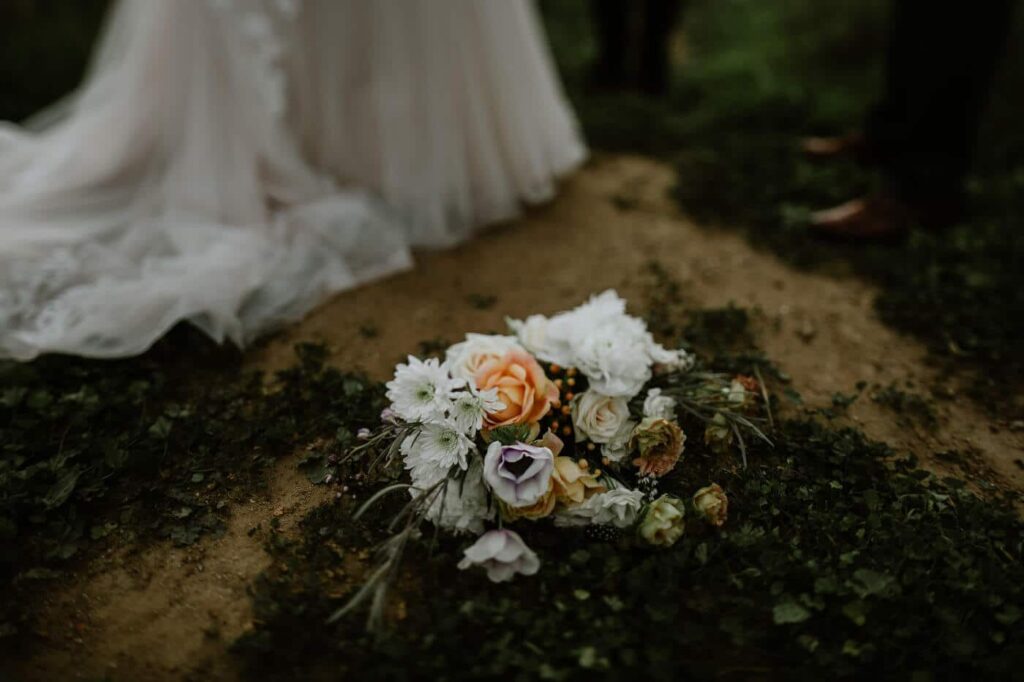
{"x": 519, "y": 474}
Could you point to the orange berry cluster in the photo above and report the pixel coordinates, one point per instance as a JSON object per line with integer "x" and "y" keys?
{"x": 569, "y": 382}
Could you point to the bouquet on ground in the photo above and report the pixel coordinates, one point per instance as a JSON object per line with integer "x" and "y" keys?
{"x": 571, "y": 419}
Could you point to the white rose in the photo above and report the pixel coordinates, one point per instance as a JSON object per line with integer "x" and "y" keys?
{"x": 503, "y": 554}
{"x": 465, "y": 358}
{"x": 659, "y": 406}
{"x": 616, "y": 449}
{"x": 618, "y": 507}
{"x": 598, "y": 417}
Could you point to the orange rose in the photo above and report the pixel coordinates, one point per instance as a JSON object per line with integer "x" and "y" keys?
{"x": 522, "y": 386}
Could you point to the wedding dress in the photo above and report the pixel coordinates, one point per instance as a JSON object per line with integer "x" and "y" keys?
{"x": 233, "y": 162}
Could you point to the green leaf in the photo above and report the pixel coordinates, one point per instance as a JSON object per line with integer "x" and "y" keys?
{"x": 62, "y": 489}
{"x": 161, "y": 428}
{"x": 868, "y": 583}
{"x": 789, "y": 612}
{"x": 1010, "y": 615}
{"x": 316, "y": 468}
{"x": 825, "y": 585}
{"x": 507, "y": 435}
{"x": 856, "y": 611}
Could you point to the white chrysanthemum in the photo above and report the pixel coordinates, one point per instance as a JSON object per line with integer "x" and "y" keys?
{"x": 470, "y": 407}
{"x": 465, "y": 358}
{"x": 433, "y": 450}
{"x": 464, "y": 506}
{"x": 617, "y": 507}
{"x": 658, "y": 406}
{"x": 422, "y": 390}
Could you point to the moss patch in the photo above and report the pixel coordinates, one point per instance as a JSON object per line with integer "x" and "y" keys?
{"x": 158, "y": 447}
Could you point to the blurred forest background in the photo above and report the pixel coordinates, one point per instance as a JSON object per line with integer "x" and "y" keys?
{"x": 751, "y": 77}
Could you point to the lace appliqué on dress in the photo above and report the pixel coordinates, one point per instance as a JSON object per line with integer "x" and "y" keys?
{"x": 263, "y": 26}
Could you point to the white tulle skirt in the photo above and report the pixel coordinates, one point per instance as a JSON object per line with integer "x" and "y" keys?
{"x": 233, "y": 162}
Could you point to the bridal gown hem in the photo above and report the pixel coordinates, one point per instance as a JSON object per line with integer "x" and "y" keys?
{"x": 233, "y": 163}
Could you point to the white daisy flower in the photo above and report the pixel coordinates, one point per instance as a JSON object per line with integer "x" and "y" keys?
{"x": 422, "y": 390}
{"x": 470, "y": 407}
{"x": 434, "y": 449}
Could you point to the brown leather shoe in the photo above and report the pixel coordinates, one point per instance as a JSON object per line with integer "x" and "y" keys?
{"x": 875, "y": 218}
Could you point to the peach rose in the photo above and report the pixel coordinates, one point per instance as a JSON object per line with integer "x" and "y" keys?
{"x": 522, "y": 386}
{"x": 552, "y": 442}
{"x": 538, "y": 510}
{"x": 572, "y": 484}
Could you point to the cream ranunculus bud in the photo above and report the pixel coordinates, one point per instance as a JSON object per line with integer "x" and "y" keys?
{"x": 712, "y": 504}
{"x": 598, "y": 417}
{"x": 503, "y": 554}
{"x": 718, "y": 434}
{"x": 659, "y": 406}
{"x": 664, "y": 522}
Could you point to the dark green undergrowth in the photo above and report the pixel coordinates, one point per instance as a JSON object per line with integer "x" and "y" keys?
{"x": 44, "y": 48}
{"x": 758, "y": 76}
{"x": 840, "y": 559}
{"x": 156, "y": 447}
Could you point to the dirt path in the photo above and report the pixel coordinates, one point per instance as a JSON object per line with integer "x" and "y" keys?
{"x": 170, "y": 614}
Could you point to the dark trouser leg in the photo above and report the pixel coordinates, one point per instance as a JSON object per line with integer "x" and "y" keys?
{"x": 939, "y": 68}
{"x": 659, "y": 22}
{"x": 611, "y": 19}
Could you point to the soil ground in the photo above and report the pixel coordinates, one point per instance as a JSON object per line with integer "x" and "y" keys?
{"x": 168, "y": 613}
